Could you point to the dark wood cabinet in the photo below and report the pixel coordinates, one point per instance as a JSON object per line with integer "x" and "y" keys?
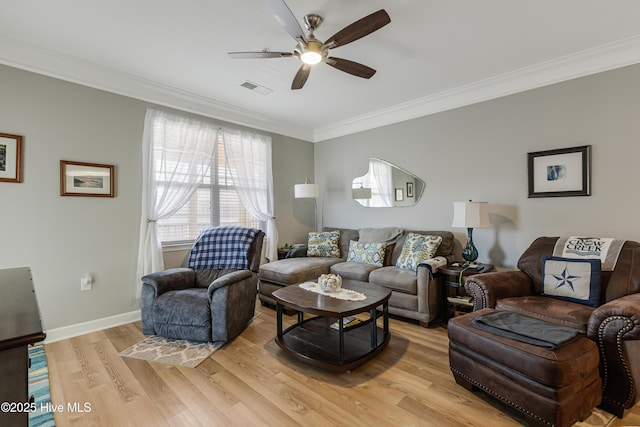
{"x": 20, "y": 326}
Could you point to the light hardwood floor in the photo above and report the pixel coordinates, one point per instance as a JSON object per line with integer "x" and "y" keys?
{"x": 250, "y": 382}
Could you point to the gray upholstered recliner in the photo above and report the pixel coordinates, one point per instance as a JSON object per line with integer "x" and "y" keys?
{"x": 212, "y": 296}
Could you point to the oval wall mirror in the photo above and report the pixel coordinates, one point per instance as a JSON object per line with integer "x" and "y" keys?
{"x": 386, "y": 185}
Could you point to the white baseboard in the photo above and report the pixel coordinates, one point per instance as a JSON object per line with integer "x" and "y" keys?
{"x": 65, "y": 332}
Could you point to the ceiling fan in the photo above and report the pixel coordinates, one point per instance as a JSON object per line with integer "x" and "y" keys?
{"x": 311, "y": 51}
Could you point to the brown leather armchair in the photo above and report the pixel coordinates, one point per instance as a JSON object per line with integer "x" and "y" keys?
{"x": 614, "y": 325}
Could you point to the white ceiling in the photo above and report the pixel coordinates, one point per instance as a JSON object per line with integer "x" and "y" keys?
{"x": 434, "y": 55}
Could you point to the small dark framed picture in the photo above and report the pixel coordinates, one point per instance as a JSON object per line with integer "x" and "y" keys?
{"x": 86, "y": 179}
{"x": 399, "y": 194}
{"x": 409, "y": 189}
{"x": 10, "y": 158}
{"x": 560, "y": 173}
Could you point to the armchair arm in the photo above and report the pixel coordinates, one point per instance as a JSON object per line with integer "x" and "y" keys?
{"x": 432, "y": 265}
{"x": 487, "y": 288}
{"x": 170, "y": 280}
{"x": 228, "y": 280}
{"x": 428, "y": 290}
{"x": 154, "y": 285}
{"x": 615, "y": 326}
{"x": 233, "y": 301}
{"x": 625, "y": 309}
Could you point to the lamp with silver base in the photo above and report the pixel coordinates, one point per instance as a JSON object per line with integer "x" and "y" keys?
{"x": 470, "y": 215}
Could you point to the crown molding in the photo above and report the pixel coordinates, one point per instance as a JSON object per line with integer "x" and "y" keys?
{"x": 31, "y": 58}
{"x": 591, "y": 61}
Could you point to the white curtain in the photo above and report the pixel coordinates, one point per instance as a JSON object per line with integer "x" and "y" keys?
{"x": 248, "y": 157}
{"x": 382, "y": 181}
{"x": 176, "y": 155}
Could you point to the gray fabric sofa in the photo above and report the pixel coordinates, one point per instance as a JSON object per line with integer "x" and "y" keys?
{"x": 415, "y": 294}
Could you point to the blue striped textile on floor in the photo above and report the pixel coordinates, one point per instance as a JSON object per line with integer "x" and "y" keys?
{"x": 39, "y": 388}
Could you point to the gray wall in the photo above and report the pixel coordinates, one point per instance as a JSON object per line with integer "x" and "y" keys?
{"x": 62, "y": 238}
{"x": 479, "y": 152}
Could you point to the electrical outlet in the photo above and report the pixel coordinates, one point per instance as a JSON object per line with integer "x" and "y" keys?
{"x": 86, "y": 282}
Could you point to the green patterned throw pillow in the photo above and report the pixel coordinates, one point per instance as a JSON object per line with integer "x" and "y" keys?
{"x": 325, "y": 244}
{"x": 366, "y": 253}
{"x": 417, "y": 248}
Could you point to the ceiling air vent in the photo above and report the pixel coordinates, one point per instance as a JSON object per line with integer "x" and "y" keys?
{"x": 256, "y": 88}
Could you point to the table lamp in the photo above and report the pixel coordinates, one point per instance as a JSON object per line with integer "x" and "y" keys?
{"x": 470, "y": 215}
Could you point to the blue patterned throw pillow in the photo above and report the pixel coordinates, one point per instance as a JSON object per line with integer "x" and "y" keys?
{"x": 570, "y": 279}
{"x": 325, "y": 244}
{"x": 366, "y": 253}
{"x": 416, "y": 249}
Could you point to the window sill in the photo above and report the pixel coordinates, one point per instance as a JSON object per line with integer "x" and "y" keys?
{"x": 176, "y": 247}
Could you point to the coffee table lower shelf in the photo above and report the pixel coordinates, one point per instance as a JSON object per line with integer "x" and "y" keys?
{"x": 315, "y": 342}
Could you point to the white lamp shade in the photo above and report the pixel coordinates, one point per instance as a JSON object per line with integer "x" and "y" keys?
{"x": 470, "y": 215}
{"x": 302, "y": 191}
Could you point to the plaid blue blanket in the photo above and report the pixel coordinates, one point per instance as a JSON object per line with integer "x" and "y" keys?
{"x": 222, "y": 247}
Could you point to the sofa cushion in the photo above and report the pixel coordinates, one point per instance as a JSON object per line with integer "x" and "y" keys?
{"x": 381, "y": 234}
{"x": 184, "y": 314}
{"x": 324, "y": 244}
{"x": 396, "y": 279}
{"x": 204, "y": 278}
{"x": 353, "y": 270}
{"x": 366, "y": 253}
{"x": 550, "y": 310}
{"x": 417, "y": 248}
{"x": 346, "y": 235}
{"x": 575, "y": 280}
{"x": 291, "y": 271}
{"x": 446, "y": 248}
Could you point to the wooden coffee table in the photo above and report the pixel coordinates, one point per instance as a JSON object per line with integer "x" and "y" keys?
{"x": 314, "y": 341}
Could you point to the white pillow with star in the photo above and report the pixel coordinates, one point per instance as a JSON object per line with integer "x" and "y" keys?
{"x": 570, "y": 279}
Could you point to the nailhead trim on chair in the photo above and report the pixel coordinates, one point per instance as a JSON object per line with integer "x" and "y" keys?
{"x": 621, "y": 332}
{"x": 478, "y": 290}
{"x": 504, "y": 399}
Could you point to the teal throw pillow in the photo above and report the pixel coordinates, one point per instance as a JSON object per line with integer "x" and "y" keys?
{"x": 416, "y": 249}
{"x": 366, "y": 253}
{"x": 325, "y": 244}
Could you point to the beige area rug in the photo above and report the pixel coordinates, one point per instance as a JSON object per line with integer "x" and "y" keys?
{"x": 188, "y": 354}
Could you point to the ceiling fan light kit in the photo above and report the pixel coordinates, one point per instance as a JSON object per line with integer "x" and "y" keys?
{"x": 312, "y": 51}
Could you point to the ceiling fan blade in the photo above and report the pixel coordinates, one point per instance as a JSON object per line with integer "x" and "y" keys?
{"x": 359, "y": 29}
{"x": 301, "y": 77}
{"x": 249, "y": 55}
{"x": 286, "y": 18}
{"x": 351, "y": 67}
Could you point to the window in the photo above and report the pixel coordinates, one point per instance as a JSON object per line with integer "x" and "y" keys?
{"x": 214, "y": 203}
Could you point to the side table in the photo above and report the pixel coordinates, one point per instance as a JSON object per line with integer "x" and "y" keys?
{"x": 454, "y": 298}
{"x": 282, "y": 253}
